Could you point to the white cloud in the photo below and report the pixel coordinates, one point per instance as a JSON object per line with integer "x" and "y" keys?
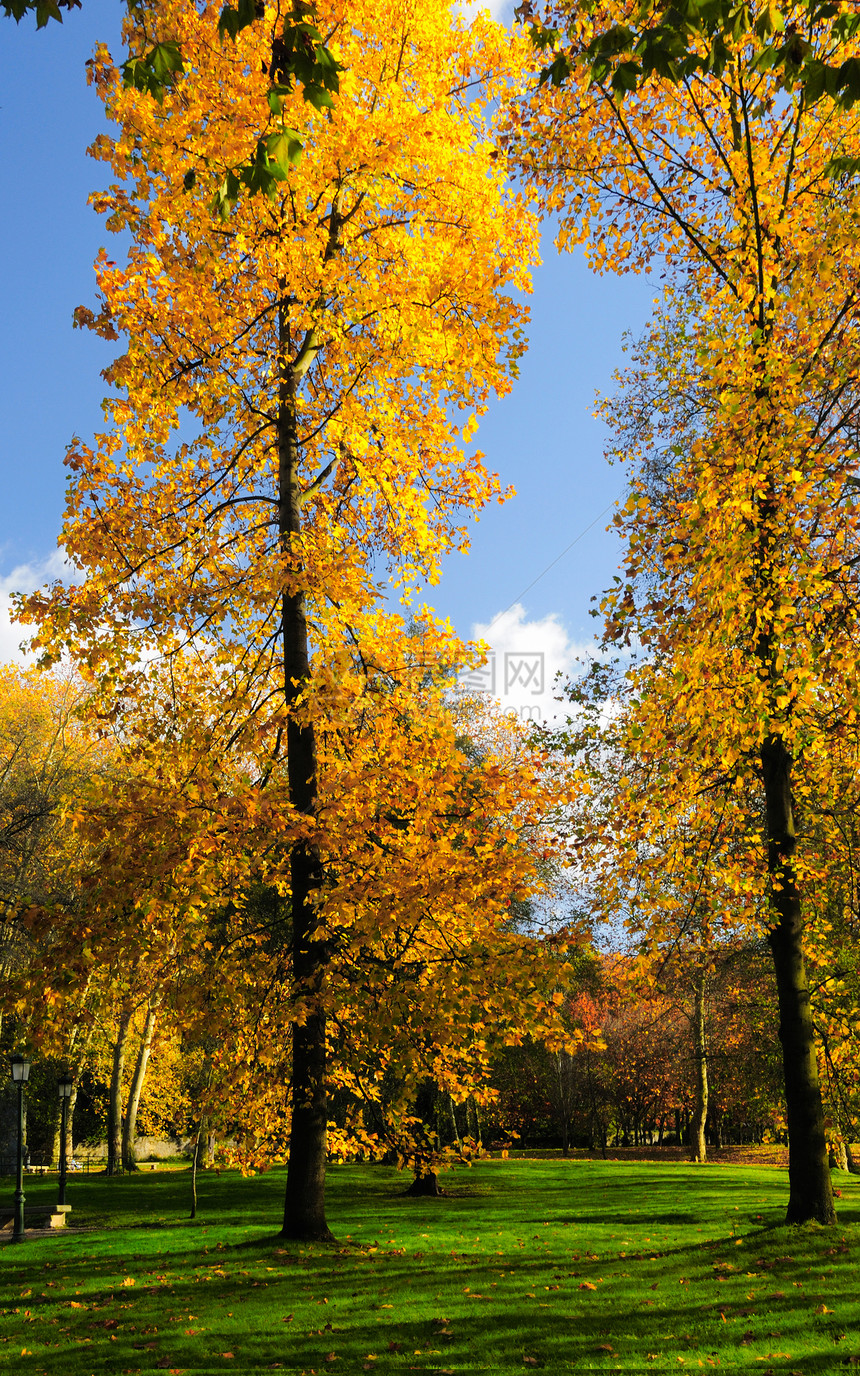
{"x": 503, "y": 10}
{"x": 25, "y": 578}
{"x": 524, "y": 661}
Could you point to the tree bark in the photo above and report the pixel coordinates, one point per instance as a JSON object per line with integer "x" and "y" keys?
{"x": 114, "y": 1125}
{"x": 129, "y": 1131}
{"x": 425, "y": 1183}
{"x": 70, "y": 1118}
{"x": 79, "y": 1040}
{"x": 304, "y": 1204}
{"x": 452, "y": 1113}
{"x": 195, "y": 1159}
{"x": 473, "y": 1118}
{"x": 56, "y": 1135}
{"x": 561, "y": 1060}
{"x": 810, "y": 1190}
{"x": 698, "y": 1146}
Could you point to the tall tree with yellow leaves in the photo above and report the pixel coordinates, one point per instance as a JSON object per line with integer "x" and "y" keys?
{"x": 742, "y": 583}
{"x": 426, "y": 836}
{"x": 314, "y": 347}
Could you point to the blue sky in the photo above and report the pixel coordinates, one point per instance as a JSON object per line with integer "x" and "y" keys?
{"x": 542, "y": 438}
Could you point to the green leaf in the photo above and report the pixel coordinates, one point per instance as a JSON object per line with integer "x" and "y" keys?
{"x": 626, "y": 77}
{"x": 557, "y": 72}
{"x": 45, "y": 10}
{"x": 233, "y": 19}
{"x": 155, "y": 72}
{"x": 283, "y": 150}
{"x": 848, "y": 82}
{"x": 226, "y": 196}
{"x": 842, "y": 167}
{"x": 165, "y": 60}
{"x": 318, "y": 97}
{"x": 543, "y": 37}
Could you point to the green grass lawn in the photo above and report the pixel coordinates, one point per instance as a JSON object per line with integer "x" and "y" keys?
{"x": 579, "y": 1265}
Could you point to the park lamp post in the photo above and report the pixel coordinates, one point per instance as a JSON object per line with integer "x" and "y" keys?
{"x": 20, "y": 1067}
{"x": 65, "y": 1085}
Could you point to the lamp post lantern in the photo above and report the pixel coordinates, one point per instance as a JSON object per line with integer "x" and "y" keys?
{"x": 20, "y": 1067}
{"x": 65, "y": 1085}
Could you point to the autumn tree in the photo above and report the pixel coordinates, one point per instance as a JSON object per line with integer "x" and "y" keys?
{"x": 742, "y": 585}
{"x": 48, "y": 758}
{"x": 426, "y": 844}
{"x": 691, "y": 38}
{"x": 318, "y": 346}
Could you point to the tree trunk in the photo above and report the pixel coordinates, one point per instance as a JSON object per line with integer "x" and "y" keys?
{"x": 698, "y": 1148}
{"x": 194, "y": 1163}
{"x": 129, "y": 1131}
{"x": 114, "y": 1124}
{"x": 304, "y": 1205}
{"x": 79, "y": 1040}
{"x": 810, "y": 1191}
{"x": 452, "y": 1113}
{"x": 56, "y": 1134}
{"x": 425, "y": 1183}
{"x": 472, "y": 1119}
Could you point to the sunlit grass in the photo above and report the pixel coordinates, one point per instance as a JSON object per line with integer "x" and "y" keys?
{"x": 580, "y": 1265}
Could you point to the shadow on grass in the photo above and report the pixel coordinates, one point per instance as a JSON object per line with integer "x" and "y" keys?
{"x": 480, "y": 1279}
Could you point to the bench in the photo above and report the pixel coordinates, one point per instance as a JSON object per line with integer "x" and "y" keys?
{"x": 36, "y": 1216}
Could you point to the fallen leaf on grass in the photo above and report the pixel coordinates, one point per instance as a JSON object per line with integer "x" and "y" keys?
{"x": 331, "y": 1356}
{"x": 822, "y": 1309}
{"x": 604, "y": 1347}
{"x": 128, "y": 1280}
{"x": 586, "y": 1285}
{"x": 228, "y": 1354}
